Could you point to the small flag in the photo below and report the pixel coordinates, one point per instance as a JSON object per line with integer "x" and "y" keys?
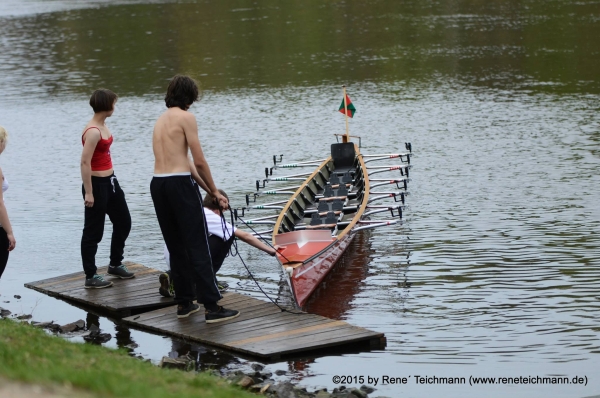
{"x": 351, "y": 108}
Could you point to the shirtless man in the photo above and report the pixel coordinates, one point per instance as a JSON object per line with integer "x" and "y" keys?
{"x": 178, "y": 204}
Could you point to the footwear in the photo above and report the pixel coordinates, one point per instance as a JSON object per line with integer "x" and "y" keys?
{"x": 222, "y": 314}
{"x": 120, "y": 271}
{"x": 223, "y": 286}
{"x": 166, "y": 287}
{"x": 97, "y": 282}
{"x": 183, "y": 311}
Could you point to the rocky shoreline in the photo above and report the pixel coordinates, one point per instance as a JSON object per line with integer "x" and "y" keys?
{"x": 258, "y": 381}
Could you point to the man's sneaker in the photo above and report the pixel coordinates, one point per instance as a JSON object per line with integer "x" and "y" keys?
{"x": 166, "y": 288}
{"x": 97, "y": 282}
{"x": 223, "y": 286}
{"x": 120, "y": 271}
{"x": 183, "y": 311}
{"x": 222, "y": 314}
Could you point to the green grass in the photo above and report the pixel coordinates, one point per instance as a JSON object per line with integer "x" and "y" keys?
{"x": 30, "y": 355}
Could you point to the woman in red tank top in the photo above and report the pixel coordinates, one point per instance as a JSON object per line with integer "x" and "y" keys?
{"x": 102, "y": 194}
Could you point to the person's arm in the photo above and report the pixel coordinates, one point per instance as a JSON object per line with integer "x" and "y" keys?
{"x": 190, "y": 129}
{"x": 253, "y": 241}
{"x": 197, "y": 177}
{"x": 5, "y": 221}
{"x": 92, "y": 137}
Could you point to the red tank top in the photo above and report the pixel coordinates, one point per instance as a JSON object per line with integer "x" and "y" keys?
{"x": 101, "y": 158}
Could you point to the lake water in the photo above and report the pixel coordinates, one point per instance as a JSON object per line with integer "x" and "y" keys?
{"x": 496, "y": 271}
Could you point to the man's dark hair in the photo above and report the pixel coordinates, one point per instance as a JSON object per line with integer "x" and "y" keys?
{"x": 103, "y": 100}
{"x": 182, "y": 92}
{"x": 210, "y": 201}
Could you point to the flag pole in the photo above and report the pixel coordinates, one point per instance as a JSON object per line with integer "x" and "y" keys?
{"x": 346, "y": 138}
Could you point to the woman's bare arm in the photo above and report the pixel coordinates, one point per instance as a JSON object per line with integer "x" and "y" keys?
{"x": 253, "y": 241}
{"x": 4, "y": 219}
{"x": 92, "y": 137}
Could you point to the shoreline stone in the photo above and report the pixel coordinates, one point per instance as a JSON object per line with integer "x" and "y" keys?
{"x": 72, "y": 327}
{"x": 258, "y": 381}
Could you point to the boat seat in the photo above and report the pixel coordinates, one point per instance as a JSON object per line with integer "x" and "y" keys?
{"x": 342, "y": 191}
{"x": 323, "y": 206}
{"x": 315, "y": 219}
{"x": 328, "y": 192}
{"x": 343, "y": 155}
{"x": 334, "y": 179}
{"x": 331, "y": 218}
{"x": 347, "y": 177}
{"x": 337, "y": 205}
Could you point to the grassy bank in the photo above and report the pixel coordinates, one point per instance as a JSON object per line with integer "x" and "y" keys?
{"x": 30, "y": 355}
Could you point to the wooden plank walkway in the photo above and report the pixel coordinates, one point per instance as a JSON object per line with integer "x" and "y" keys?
{"x": 125, "y": 297}
{"x": 261, "y": 330}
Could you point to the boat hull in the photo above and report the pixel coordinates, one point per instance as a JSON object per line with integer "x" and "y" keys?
{"x": 305, "y": 278}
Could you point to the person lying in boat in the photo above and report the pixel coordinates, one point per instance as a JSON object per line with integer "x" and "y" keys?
{"x": 221, "y": 235}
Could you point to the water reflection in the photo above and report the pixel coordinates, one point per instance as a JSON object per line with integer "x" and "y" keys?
{"x": 205, "y": 358}
{"x": 334, "y": 297}
{"x": 135, "y": 48}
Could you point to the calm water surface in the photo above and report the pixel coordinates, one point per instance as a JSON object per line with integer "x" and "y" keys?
{"x": 496, "y": 271}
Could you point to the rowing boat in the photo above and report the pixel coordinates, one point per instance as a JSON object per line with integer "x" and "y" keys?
{"x": 325, "y": 212}
{"x": 338, "y": 199}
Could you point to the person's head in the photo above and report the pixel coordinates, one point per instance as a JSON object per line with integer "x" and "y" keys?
{"x": 210, "y": 203}
{"x": 3, "y": 138}
{"x": 182, "y": 92}
{"x": 103, "y": 100}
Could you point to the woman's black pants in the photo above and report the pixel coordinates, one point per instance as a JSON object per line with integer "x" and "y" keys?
{"x": 109, "y": 199}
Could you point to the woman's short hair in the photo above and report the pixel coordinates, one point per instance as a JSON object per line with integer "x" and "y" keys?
{"x": 3, "y": 135}
{"x": 209, "y": 200}
{"x": 102, "y": 100}
{"x": 182, "y": 92}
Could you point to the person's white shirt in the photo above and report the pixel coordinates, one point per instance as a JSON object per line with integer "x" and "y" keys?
{"x": 216, "y": 226}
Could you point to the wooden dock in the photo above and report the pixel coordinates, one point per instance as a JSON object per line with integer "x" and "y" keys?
{"x": 124, "y": 298}
{"x": 262, "y": 329}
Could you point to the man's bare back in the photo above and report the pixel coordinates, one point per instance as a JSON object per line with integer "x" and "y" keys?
{"x": 176, "y": 132}
{"x": 169, "y": 141}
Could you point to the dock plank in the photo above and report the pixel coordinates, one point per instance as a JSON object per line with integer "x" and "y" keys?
{"x": 126, "y": 296}
{"x": 262, "y": 330}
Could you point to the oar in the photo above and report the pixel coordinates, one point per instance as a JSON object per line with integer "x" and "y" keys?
{"x": 277, "y": 191}
{"x": 387, "y": 208}
{"x": 385, "y": 155}
{"x": 393, "y": 167}
{"x": 260, "y": 233}
{"x": 262, "y": 220}
{"x": 312, "y": 163}
{"x": 264, "y": 204}
{"x": 380, "y": 169}
{"x": 390, "y": 195}
{"x": 386, "y": 182}
{"x": 380, "y": 208}
{"x": 285, "y": 178}
{"x": 345, "y": 209}
{"x": 369, "y": 223}
{"x": 370, "y": 226}
{"x": 373, "y": 158}
{"x": 293, "y": 177}
{"x": 266, "y": 207}
{"x": 275, "y": 161}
